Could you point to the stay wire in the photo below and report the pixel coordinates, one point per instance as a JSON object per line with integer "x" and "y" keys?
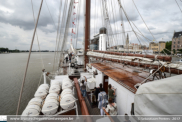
{"x": 37, "y": 36}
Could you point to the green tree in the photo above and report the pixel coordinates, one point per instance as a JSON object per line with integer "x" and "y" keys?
{"x": 168, "y": 48}
{"x": 174, "y": 51}
{"x": 180, "y": 50}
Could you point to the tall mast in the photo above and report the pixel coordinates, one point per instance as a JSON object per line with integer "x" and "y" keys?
{"x": 87, "y": 30}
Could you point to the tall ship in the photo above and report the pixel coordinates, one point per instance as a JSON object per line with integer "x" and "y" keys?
{"x": 145, "y": 83}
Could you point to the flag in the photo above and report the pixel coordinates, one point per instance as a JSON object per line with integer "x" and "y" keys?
{"x": 73, "y": 23}
{"x": 73, "y": 31}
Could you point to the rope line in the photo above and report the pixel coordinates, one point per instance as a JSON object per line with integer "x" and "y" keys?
{"x": 21, "y": 91}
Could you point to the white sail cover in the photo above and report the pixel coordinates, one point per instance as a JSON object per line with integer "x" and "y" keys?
{"x": 161, "y": 97}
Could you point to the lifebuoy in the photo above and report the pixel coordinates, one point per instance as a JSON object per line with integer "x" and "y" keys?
{"x": 162, "y": 69}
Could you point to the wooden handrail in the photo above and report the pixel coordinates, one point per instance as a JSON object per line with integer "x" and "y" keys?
{"x": 84, "y": 109}
{"x": 83, "y": 105}
{"x": 108, "y": 115}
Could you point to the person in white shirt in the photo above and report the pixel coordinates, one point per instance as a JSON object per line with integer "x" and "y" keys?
{"x": 111, "y": 107}
{"x": 102, "y": 100}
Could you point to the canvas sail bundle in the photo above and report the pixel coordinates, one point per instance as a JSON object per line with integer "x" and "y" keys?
{"x": 160, "y": 97}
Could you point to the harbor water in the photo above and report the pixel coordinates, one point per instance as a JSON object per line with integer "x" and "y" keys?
{"x": 11, "y": 76}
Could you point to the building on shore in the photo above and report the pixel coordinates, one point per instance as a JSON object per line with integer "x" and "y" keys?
{"x": 157, "y": 47}
{"x": 176, "y": 41}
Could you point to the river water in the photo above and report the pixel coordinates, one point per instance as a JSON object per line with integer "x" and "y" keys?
{"x": 11, "y": 76}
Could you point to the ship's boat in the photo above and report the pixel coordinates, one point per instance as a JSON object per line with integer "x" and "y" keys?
{"x": 44, "y": 86}
{"x": 35, "y": 101}
{"x": 51, "y": 104}
{"x": 67, "y": 84}
{"x": 56, "y": 82}
{"x": 31, "y": 110}
{"x": 67, "y": 101}
{"x": 54, "y": 89}
{"x": 52, "y": 96}
{"x": 41, "y": 92}
{"x": 66, "y": 91}
{"x": 50, "y": 107}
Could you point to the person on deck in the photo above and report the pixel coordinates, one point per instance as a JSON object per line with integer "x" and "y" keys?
{"x": 102, "y": 98}
{"x": 70, "y": 56}
{"x": 111, "y": 107}
{"x": 83, "y": 87}
{"x": 111, "y": 93}
{"x": 97, "y": 90}
{"x": 66, "y": 59}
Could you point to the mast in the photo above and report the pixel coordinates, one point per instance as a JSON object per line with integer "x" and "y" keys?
{"x": 87, "y": 30}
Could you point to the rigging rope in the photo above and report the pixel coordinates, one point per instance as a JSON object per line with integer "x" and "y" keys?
{"x": 55, "y": 52}
{"x": 21, "y": 91}
{"x": 178, "y": 6}
{"x": 37, "y": 36}
{"x": 50, "y": 14}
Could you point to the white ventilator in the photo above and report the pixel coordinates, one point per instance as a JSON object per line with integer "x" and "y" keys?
{"x": 102, "y": 42}
{"x": 51, "y": 104}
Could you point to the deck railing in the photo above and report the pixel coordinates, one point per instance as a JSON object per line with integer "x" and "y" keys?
{"x": 108, "y": 115}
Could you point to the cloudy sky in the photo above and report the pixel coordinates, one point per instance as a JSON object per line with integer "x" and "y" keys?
{"x": 17, "y": 23}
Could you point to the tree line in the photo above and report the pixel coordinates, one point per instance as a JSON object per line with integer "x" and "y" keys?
{"x": 7, "y": 50}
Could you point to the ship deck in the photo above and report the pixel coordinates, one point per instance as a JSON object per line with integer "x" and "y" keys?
{"x": 92, "y": 109}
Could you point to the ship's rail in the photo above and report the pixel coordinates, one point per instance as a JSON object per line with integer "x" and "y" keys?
{"x": 81, "y": 99}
